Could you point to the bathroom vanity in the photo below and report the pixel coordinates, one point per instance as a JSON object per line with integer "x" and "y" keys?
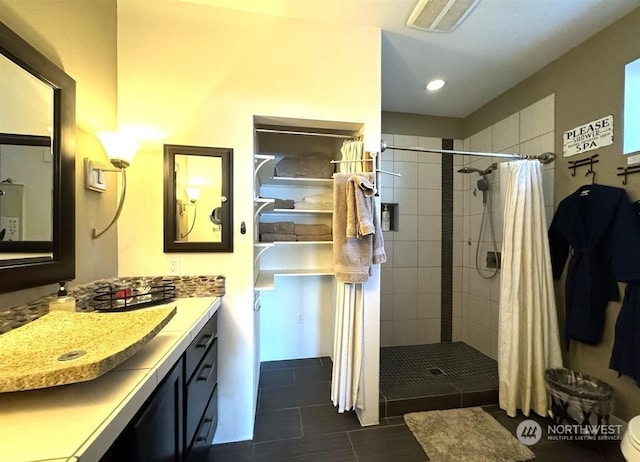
{"x": 161, "y": 404}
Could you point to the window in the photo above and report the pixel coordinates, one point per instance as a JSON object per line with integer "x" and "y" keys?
{"x": 631, "y": 138}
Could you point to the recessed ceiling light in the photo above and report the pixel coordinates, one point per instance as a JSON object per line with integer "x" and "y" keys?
{"x": 435, "y": 84}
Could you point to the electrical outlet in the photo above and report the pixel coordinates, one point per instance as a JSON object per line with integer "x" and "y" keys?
{"x": 299, "y": 318}
{"x": 11, "y": 225}
{"x": 174, "y": 265}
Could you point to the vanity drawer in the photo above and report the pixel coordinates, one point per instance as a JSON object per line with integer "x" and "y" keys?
{"x": 204, "y": 434}
{"x": 198, "y": 347}
{"x": 199, "y": 390}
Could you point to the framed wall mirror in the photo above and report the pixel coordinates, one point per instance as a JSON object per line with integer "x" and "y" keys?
{"x": 198, "y": 209}
{"x": 37, "y": 167}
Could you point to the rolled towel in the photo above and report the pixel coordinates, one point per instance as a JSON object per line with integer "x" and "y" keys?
{"x": 272, "y": 237}
{"x": 315, "y": 237}
{"x": 314, "y": 229}
{"x": 279, "y": 227}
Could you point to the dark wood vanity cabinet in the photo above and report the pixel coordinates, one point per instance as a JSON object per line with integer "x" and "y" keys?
{"x": 156, "y": 434}
{"x": 200, "y": 392}
{"x": 179, "y": 420}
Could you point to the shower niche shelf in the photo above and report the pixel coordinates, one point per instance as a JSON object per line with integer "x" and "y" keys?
{"x": 392, "y": 209}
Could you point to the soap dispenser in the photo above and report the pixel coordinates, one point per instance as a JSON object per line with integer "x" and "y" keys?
{"x": 386, "y": 218}
{"x": 64, "y": 302}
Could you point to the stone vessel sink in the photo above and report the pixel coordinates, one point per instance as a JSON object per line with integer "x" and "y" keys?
{"x": 64, "y": 347}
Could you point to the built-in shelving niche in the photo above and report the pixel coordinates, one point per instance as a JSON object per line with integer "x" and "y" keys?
{"x": 294, "y": 288}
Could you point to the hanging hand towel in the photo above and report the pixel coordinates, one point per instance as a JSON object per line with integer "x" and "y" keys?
{"x": 354, "y": 214}
{"x": 360, "y": 205}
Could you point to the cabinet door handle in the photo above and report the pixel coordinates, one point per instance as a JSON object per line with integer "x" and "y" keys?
{"x": 211, "y": 369}
{"x": 210, "y": 338}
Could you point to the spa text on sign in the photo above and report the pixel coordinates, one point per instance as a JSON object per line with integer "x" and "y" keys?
{"x": 588, "y": 137}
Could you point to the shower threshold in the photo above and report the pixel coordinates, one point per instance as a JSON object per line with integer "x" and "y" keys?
{"x": 435, "y": 376}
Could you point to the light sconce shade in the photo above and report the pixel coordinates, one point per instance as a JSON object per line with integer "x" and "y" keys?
{"x": 193, "y": 193}
{"x": 120, "y": 150}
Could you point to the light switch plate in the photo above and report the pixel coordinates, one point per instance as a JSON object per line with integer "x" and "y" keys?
{"x": 95, "y": 176}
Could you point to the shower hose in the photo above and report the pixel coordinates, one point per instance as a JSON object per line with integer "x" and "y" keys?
{"x": 485, "y": 207}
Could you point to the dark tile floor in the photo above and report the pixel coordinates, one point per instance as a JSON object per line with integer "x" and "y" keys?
{"x": 295, "y": 422}
{"x": 435, "y": 376}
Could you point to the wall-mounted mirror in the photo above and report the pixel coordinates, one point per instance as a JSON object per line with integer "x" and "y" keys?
{"x": 37, "y": 167}
{"x": 198, "y": 199}
{"x": 26, "y": 200}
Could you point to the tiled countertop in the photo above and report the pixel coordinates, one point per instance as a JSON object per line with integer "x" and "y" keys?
{"x": 79, "y": 422}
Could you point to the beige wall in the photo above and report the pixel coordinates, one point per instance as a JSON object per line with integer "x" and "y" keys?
{"x": 198, "y": 75}
{"x": 80, "y": 37}
{"x": 588, "y": 84}
{"x": 421, "y": 125}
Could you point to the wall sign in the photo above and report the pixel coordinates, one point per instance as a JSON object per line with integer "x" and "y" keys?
{"x": 588, "y": 137}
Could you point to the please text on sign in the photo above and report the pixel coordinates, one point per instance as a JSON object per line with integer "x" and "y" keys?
{"x": 588, "y": 137}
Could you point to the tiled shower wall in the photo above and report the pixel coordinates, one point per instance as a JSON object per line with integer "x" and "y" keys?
{"x": 476, "y": 300}
{"x": 413, "y": 308}
{"x": 411, "y": 298}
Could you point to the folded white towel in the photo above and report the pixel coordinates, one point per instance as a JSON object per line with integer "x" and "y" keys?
{"x": 317, "y": 202}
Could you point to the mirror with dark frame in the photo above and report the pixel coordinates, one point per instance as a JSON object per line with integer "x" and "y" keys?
{"x": 37, "y": 167}
{"x": 198, "y": 199}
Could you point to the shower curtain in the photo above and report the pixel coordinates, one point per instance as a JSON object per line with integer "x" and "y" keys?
{"x": 348, "y": 329}
{"x": 347, "y": 347}
{"x": 528, "y": 339}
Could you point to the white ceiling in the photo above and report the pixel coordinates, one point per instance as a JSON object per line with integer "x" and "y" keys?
{"x": 501, "y": 43}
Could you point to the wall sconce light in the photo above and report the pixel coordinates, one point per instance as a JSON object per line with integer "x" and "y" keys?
{"x": 120, "y": 151}
{"x": 192, "y": 194}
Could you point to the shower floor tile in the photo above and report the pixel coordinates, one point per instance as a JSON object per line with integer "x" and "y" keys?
{"x": 435, "y": 376}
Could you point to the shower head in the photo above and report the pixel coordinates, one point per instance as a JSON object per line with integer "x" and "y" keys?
{"x": 484, "y": 172}
{"x": 469, "y": 170}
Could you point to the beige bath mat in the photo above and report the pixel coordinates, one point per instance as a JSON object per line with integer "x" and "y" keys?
{"x": 468, "y": 434}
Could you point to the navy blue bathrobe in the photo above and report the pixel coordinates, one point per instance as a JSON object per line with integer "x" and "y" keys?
{"x": 625, "y": 356}
{"x": 595, "y": 226}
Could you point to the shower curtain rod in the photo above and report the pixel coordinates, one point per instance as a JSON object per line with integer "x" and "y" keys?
{"x": 545, "y": 158}
{"x": 294, "y": 132}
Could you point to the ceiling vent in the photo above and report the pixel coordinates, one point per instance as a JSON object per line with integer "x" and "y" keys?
{"x": 440, "y": 15}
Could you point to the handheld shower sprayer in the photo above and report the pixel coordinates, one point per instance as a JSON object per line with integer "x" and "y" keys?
{"x": 483, "y": 185}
